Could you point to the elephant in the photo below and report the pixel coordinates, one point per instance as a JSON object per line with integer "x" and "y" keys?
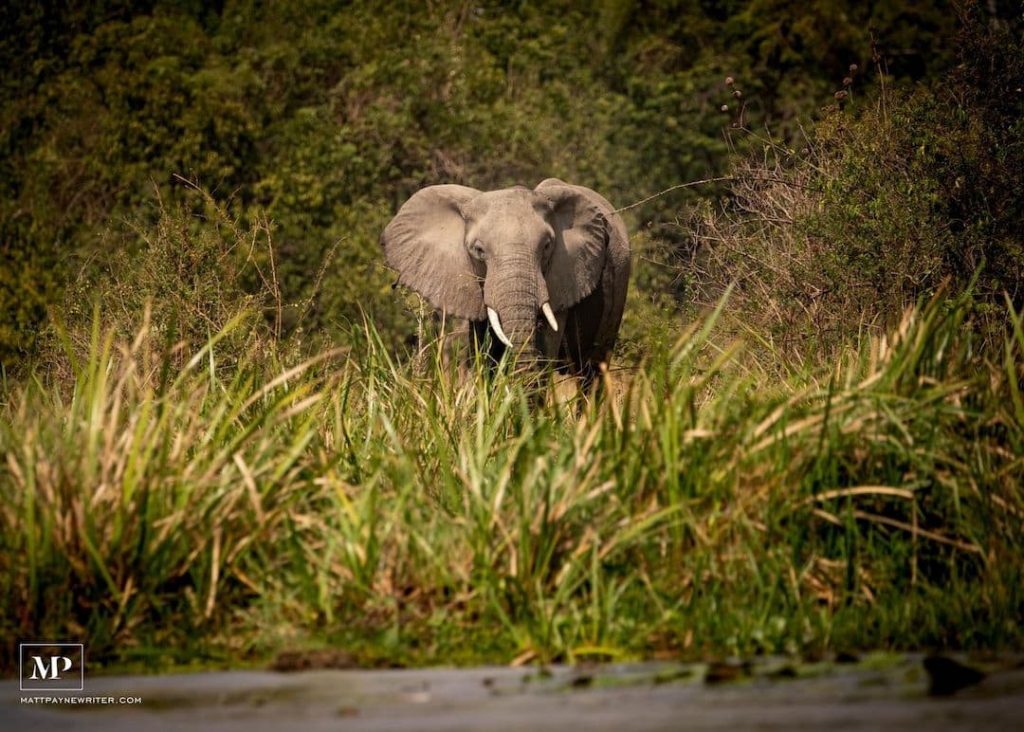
{"x": 544, "y": 271}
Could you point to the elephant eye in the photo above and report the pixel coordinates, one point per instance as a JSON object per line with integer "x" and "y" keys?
{"x": 476, "y": 249}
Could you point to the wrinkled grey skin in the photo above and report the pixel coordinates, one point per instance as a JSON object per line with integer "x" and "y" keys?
{"x": 513, "y": 250}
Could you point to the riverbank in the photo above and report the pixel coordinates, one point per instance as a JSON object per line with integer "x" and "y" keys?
{"x": 878, "y": 692}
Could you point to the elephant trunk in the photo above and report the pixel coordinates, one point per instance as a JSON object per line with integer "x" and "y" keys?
{"x": 510, "y": 294}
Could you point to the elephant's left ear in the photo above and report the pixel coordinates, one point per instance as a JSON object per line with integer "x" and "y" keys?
{"x": 581, "y": 240}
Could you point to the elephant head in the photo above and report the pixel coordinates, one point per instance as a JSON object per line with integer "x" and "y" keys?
{"x": 510, "y": 256}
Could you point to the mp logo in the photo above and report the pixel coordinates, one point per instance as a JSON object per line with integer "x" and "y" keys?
{"x": 52, "y": 666}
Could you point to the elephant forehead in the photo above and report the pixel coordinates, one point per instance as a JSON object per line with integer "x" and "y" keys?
{"x": 507, "y": 218}
{"x": 511, "y": 202}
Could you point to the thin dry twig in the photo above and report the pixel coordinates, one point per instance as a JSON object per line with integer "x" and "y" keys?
{"x": 678, "y": 187}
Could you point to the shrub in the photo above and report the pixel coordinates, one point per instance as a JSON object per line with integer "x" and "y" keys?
{"x": 885, "y": 201}
{"x": 191, "y": 270}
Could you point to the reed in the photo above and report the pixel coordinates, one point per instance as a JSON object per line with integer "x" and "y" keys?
{"x": 701, "y": 505}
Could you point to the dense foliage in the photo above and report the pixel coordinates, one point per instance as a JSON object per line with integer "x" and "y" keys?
{"x": 325, "y": 116}
{"x": 836, "y": 234}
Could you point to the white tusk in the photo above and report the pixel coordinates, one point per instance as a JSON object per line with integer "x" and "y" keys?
{"x": 546, "y": 309}
{"x": 492, "y": 315}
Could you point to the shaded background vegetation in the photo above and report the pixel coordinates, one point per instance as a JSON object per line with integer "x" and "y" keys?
{"x": 325, "y": 116}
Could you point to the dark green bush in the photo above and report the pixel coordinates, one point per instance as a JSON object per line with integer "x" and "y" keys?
{"x": 886, "y": 200}
{"x": 327, "y": 115}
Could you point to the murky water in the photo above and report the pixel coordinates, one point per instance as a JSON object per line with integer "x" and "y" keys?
{"x": 876, "y": 693}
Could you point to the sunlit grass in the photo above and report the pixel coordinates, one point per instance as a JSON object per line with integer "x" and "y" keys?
{"x": 237, "y": 504}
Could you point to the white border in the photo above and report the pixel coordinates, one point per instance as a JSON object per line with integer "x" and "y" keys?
{"x": 21, "y": 665}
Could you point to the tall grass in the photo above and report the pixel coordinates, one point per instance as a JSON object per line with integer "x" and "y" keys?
{"x": 231, "y": 507}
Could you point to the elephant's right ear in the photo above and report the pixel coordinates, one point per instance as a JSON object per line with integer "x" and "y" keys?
{"x": 425, "y": 243}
